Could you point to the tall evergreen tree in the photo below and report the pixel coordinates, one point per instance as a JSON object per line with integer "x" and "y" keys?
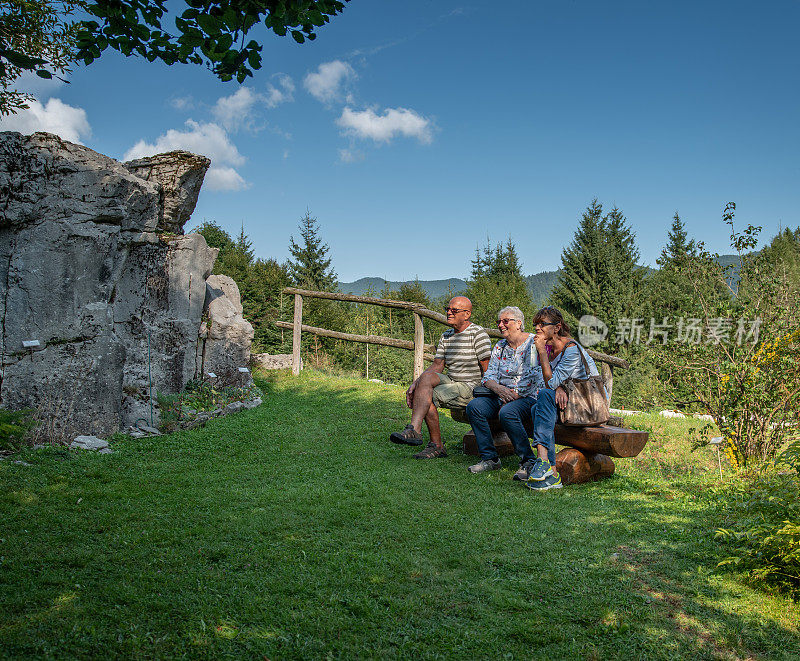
{"x": 496, "y": 282}
{"x": 310, "y": 266}
{"x": 678, "y": 249}
{"x": 670, "y": 291}
{"x": 784, "y": 252}
{"x": 599, "y": 274}
{"x": 577, "y": 291}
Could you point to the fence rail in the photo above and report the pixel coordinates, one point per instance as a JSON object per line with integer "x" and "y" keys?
{"x": 421, "y": 350}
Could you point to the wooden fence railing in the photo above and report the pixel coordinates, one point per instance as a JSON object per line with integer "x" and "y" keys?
{"x": 421, "y": 350}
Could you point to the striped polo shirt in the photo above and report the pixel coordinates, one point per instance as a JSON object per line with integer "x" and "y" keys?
{"x": 462, "y": 351}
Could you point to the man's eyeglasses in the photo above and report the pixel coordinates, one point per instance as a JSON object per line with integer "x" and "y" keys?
{"x": 505, "y": 322}
{"x": 453, "y": 310}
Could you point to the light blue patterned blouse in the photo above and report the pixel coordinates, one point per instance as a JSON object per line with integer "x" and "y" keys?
{"x": 568, "y": 365}
{"x": 512, "y": 368}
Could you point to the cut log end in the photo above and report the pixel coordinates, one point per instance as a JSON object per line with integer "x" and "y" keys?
{"x": 577, "y": 467}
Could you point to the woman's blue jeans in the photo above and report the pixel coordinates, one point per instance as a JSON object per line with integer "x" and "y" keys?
{"x": 482, "y": 409}
{"x": 544, "y": 416}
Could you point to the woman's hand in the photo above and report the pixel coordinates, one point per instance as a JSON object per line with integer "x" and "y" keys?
{"x": 561, "y": 397}
{"x": 540, "y": 341}
{"x": 506, "y": 395}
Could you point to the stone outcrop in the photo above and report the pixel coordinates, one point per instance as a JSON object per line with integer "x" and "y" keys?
{"x": 226, "y": 336}
{"x": 95, "y": 269}
{"x": 274, "y": 361}
{"x": 180, "y": 175}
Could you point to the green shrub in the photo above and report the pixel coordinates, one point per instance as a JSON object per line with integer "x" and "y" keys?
{"x": 14, "y": 425}
{"x": 764, "y": 541}
{"x": 200, "y": 396}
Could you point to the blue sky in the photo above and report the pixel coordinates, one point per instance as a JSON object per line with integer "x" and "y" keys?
{"x": 413, "y": 130}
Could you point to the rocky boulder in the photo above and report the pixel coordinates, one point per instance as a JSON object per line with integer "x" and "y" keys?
{"x": 101, "y": 296}
{"x": 226, "y": 336}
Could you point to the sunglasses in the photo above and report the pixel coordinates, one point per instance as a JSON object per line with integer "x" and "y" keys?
{"x": 505, "y": 322}
{"x": 546, "y": 323}
{"x": 453, "y": 310}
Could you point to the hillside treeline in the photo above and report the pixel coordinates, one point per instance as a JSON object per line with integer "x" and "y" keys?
{"x": 642, "y": 309}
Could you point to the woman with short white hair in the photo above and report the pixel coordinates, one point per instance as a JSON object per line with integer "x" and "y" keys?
{"x": 512, "y": 385}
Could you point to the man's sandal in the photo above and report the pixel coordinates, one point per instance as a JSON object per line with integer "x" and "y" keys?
{"x": 431, "y": 451}
{"x": 409, "y": 436}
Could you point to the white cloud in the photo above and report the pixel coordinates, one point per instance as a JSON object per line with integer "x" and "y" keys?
{"x": 55, "y": 116}
{"x": 240, "y": 109}
{"x": 208, "y": 139}
{"x": 326, "y": 84}
{"x": 182, "y": 102}
{"x": 382, "y": 128}
{"x": 236, "y": 111}
{"x": 350, "y": 156}
{"x": 223, "y": 178}
{"x": 277, "y": 96}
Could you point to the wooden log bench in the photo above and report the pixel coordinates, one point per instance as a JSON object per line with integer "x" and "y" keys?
{"x": 588, "y": 456}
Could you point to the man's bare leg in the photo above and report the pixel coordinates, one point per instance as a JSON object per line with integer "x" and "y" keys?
{"x": 432, "y": 420}
{"x": 423, "y": 402}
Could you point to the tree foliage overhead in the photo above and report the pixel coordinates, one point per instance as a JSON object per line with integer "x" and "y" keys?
{"x": 210, "y": 32}
{"x": 37, "y": 36}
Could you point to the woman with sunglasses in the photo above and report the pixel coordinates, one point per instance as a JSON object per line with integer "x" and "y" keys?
{"x": 560, "y": 358}
{"x": 513, "y": 382}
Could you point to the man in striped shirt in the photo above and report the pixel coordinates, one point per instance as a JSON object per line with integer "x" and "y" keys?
{"x": 464, "y": 351}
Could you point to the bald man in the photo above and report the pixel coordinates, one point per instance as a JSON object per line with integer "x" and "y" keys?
{"x": 464, "y": 351}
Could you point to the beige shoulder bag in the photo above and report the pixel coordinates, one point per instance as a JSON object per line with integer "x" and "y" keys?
{"x": 587, "y": 405}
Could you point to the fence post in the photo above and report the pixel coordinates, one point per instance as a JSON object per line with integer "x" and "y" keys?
{"x": 607, "y": 373}
{"x": 419, "y": 346}
{"x": 296, "y": 330}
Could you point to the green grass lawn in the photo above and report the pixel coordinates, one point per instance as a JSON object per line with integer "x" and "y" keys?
{"x": 296, "y": 530}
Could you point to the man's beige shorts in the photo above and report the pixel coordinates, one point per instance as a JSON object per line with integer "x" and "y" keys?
{"x": 451, "y": 394}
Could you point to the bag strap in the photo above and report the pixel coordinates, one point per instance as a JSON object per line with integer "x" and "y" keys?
{"x": 583, "y": 358}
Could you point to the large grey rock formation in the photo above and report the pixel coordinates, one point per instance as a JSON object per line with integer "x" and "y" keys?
{"x": 94, "y": 267}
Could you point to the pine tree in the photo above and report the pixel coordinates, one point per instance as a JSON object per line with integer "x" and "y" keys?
{"x": 623, "y": 277}
{"x": 578, "y": 289}
{"x": 496, "y": 282}
{"x": 310, "y": 267}
{"x": 784, "y": 252}
{"x": 670, "y": 291}
{"x": 599, "y": 272}
{"x": 678, "y": 249}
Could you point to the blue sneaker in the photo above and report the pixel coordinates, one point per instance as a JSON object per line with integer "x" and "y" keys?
{"x": 541, "y": 469}
{"x": 550, "y": 482}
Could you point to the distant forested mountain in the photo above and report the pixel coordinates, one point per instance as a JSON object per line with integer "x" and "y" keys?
{"x": 433, "y": 288}
{"x": 539, "y": 285}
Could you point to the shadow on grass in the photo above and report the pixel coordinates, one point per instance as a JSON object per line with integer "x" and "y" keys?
{"x": 651, "y": 539}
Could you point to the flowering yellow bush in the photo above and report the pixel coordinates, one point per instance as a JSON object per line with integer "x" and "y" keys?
{"x": 749, "y": 384}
